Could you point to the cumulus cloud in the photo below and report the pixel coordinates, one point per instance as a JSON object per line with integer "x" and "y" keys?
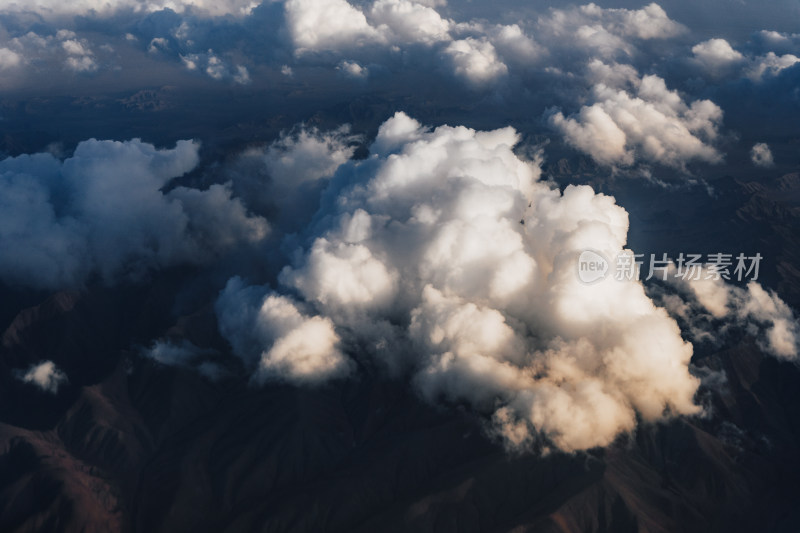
{"x": 306, "y": 154}
{"x": 276, "y": 339}
{"x": 514, "y": 44}
{"x": 716, "y": 55}
{"x": 606, "y": 32}
{"x": 171, "y": 353}
{"x": 770, "y": 65}
{"x": 45, "y": 375}
{"x": 61, "y": 47}
{"x": 469, "y": 49}
{"x": 778, "y": 42}
{"x": 56, "y": 9}
{"x": 760, "y": 312}
{"x": 241, "y": 75}
{"x": 183, "y": 353}
{"x": 336, "y": 33}
{"x": 781, "y": 334}
{"x": 475, "y": 60}
{"x": 316, "y": 25}
{"x": 409, "y": 21}
{"x": 443, "y": 255}
{"x": 353, "y": 70}
{"x": 761, "y": 155}
{"x": 102, "y": 212}
{"x": 209, "y": 63}
{"x": 327, "y": 25}
{"x": 160, "y": 43}
{"x": 718, "y": 58}
{"x": 286, "y": 178}
{"x": 649, "y": 22}
{"x": 80, "y": 57}
{"x": 640, "y": 119}
{"x": 9, "y": 59}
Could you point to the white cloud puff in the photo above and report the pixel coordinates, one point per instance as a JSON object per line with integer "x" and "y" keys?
{"x": 352, "y": 69}
{"x": 209, "y": 63}
{"x": 327, "y": 25}
{"x": 761, "y": 155}
{"x": 770, "y": 65}
{"x": 514, "y": 44}
{"x": 185, "y": 354}
{"x": 409, "y": 21}
{"x": 475, "y": 60}
{"x": 9, "y": 59}
{"x": 635, "y": 119}
{"x": 306, "y": 154}
{"x": 716, "y": 55}
{"x": 45, "y": 375}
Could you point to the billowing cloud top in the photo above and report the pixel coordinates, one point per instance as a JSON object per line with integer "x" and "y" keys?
{"x": 446, "y": 257}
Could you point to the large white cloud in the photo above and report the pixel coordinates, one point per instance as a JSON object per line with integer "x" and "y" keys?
{"x": 102, "y": 211}
{"x": 443, "y": 254}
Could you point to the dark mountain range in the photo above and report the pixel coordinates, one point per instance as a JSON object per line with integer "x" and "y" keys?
{"x": 132, "y": 445}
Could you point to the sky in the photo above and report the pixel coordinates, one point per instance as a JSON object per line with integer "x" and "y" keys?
{"x": 407, "y": 183}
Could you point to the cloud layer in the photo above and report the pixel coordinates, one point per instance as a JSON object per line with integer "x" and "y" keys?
{"x": 665, "y": 111}
{"x": 438, "y": 254}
